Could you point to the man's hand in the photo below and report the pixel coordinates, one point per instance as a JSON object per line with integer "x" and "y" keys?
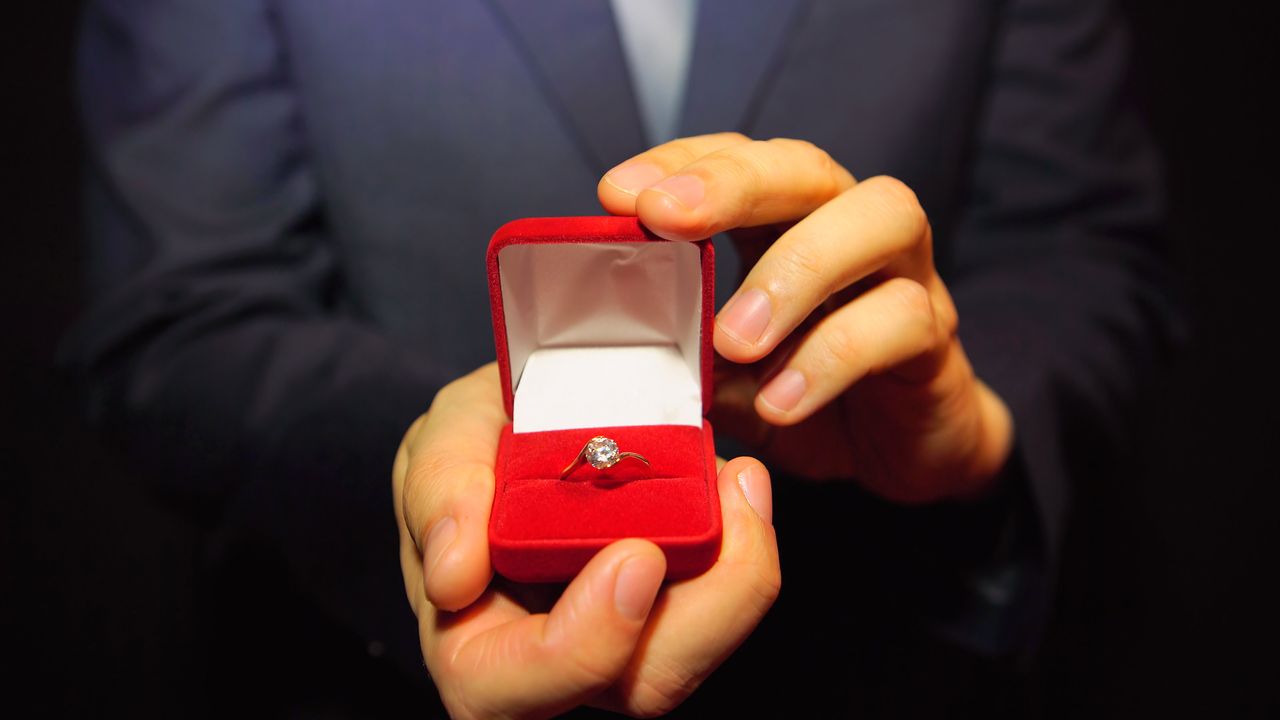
{"x": 842, "y": 335}
{"x": 616, "y": 637}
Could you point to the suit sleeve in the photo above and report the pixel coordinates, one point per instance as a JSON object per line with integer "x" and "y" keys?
{"x": 1059, "y": 271}
{"x": 214, "y": 347}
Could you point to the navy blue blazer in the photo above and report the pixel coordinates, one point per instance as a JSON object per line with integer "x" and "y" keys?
{"x": 289, "y": 203}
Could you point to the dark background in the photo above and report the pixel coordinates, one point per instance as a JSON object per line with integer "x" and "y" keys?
{"x": 1168, "y": 603}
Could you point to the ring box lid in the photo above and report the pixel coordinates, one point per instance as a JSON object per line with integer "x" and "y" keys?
{"x": 599, "y": 323}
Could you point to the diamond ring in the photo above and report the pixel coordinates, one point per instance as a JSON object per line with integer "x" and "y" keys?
{"x": 600, "y": 453}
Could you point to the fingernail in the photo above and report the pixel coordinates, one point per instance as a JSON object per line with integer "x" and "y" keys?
{"x": 631, "y": 178}
{"x": 439, "y": 540}
{"x": 785, "y": 390}
{"x": 636, "y": 586}
{"x": 754, "y": 481}
{"x": 746, "y": 316}
{"x": 687, "y": 190}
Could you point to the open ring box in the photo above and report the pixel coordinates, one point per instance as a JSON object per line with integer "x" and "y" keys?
{"x": 601, "y": 328}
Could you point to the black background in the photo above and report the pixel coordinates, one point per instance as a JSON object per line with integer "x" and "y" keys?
{"x": 1168, "y": 602}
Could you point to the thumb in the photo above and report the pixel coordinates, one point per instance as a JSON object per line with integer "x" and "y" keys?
{"x": 546, "y": 664}
{"x": 753, "y": 480}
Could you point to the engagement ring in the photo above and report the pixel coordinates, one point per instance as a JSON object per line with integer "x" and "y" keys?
{"x": 600, "y": 452}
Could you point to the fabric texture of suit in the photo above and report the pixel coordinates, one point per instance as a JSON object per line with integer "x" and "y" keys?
{"x": 289, "y": 203}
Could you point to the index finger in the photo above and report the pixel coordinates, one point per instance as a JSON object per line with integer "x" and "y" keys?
{"x": 620, "y": 186}
{"x": 744, "y": 185}
{"x": 448, "y": 488}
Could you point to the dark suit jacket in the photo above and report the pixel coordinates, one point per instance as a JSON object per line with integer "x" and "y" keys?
{"x": 289, "y": 203}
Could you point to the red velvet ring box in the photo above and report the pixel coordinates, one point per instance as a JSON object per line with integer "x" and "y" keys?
{"x": 601, "y": 328}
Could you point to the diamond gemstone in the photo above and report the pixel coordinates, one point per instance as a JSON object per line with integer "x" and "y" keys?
{"x": 602, "y": 452}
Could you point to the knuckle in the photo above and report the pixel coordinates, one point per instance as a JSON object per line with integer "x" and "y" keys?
{"x": 458, "y": 667}
{"x": 796, "y": 145}
{"x": 461, "y": 706}
{"x": 443, "y": 473}
{"x": 483, "y": 376}
{"x": 588, "y": 671}
{"x": 743, "y": 167}
{"x": 762, "y": 587}
{"x": 417, "y": 478}
{"x": 661, "y": 689}
{"x": 949, "y": 321}
{"x": 647, "y": 703}
{"x": 684, "y": 151}
{"x": 828, "y": 173}
{"x": 804, "y": 149}
{"x": 678, "y": 154}
{"x": 416, "y": 426}
{"x": 449, "y": 393}
{"x": 433, "y": 465}
{"x": 948, "y": 317}
{"x": 424, "y": 489}
{"x": 743, "y": 173}
{"x": 441, "y": 667}
{"x": 894, "y": 191}
{"x": 768, "y": 584}
{"x": 410, "y": 438}
{"x": 732, "y": 137}
{"x": 440, "y": 656}
{"x": 913, "y": 296}
{"x": 802, "y": 268}
{"x": 914, "y": 300}
{"x": 416, "y": 508}
{"x": 756, "y": 572}
{"x": 767, "y": 592}
{"x": 902, "y": 204}
{"x": 455, "y": 704}
{"x": 840, "y": 347}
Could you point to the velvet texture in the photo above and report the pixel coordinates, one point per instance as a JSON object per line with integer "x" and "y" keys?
{"x": 544, "y": 529}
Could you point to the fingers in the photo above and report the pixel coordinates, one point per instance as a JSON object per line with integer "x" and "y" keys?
{"x": 755, "y": 489}
{"x": 693, "y": 188}
{"x": 741, "y": 185}
{"x": 620, "y": 186}
{"x": 540, "y": 665}
{"x": 756, "y": 183}
{"x": 697, "y": 623}
{"x": 448, "y": 488}
{"x": 876, "y": 222}
{"x": 885, "y": 327}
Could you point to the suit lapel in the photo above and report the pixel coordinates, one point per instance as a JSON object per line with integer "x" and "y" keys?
{"x": 575, "y": 53}
{"x": 576, "y": 57}
{"x": 738, "y": 44}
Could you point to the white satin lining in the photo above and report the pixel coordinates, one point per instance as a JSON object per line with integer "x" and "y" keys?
{"x": 603, "y": 334}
